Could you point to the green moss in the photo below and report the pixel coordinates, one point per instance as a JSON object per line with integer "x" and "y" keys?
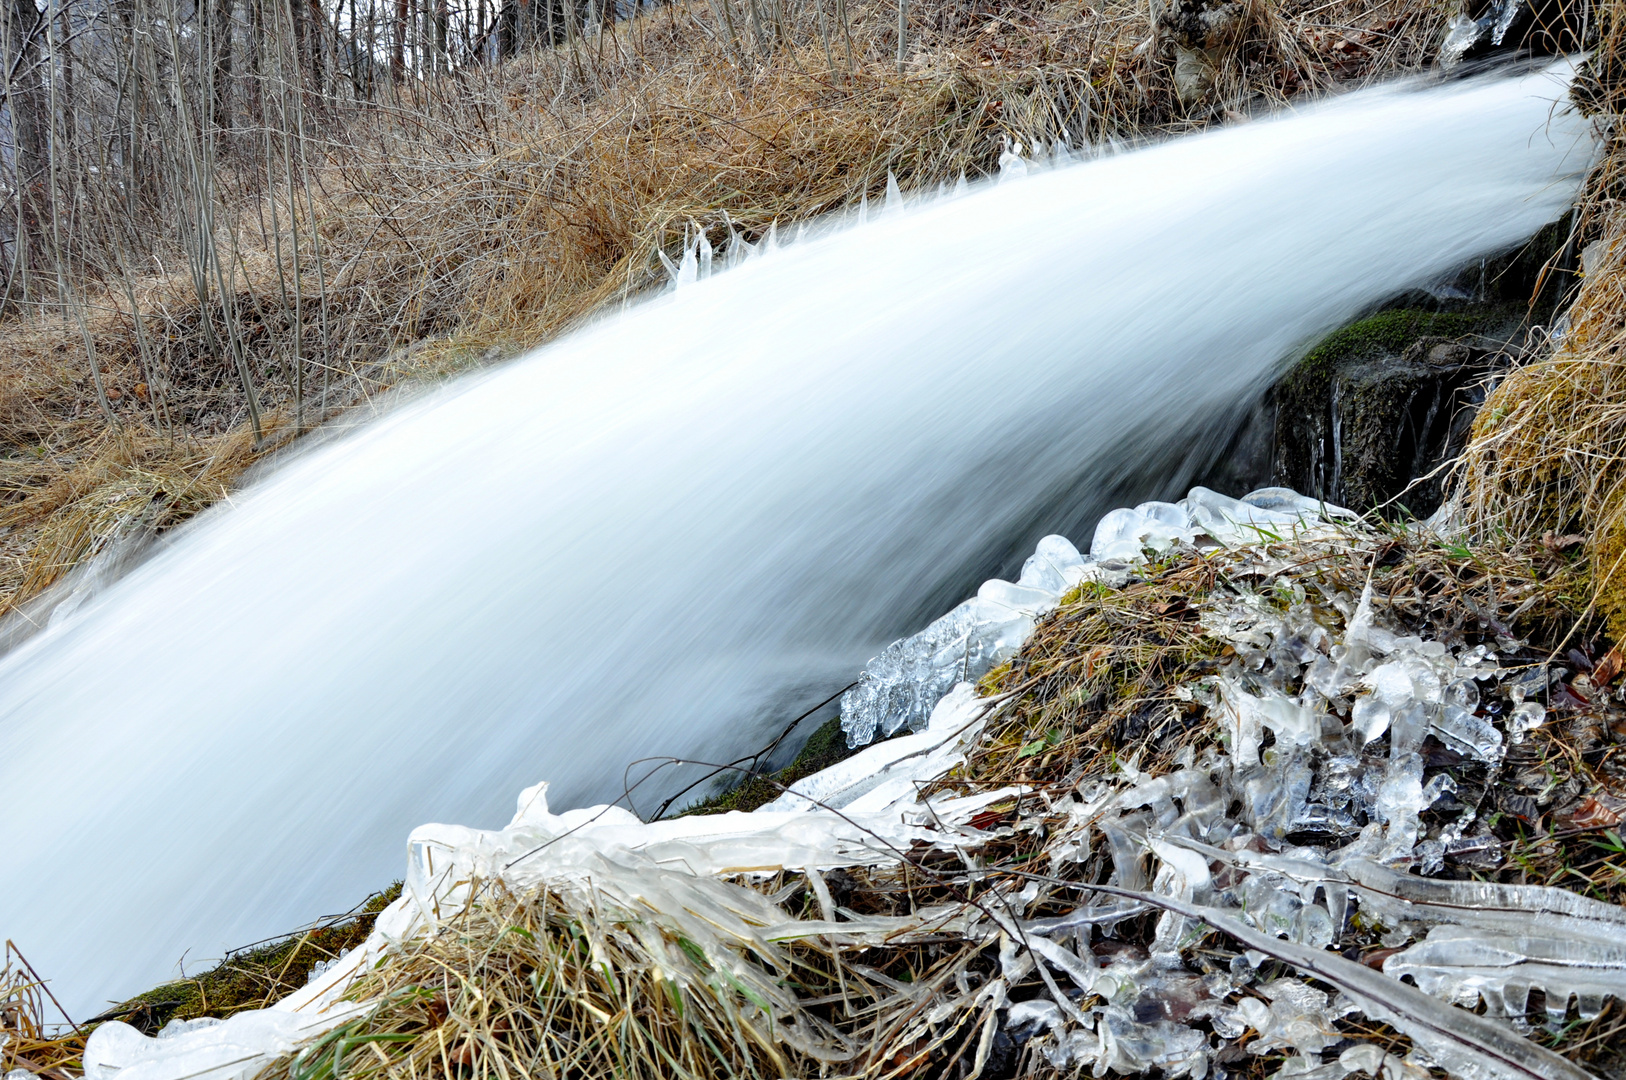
{"x": 254, "y": 977}
{"x": 1304, "y": 444}
{"x": 824, "y": 748}
{"x": 1384, "y": 334}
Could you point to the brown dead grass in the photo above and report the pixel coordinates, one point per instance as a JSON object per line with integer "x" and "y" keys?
{"x": 1548, "y": 452}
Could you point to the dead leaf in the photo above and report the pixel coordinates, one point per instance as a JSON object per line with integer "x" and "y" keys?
{"x": 1595, "y": 813}
{"x": 1553, "y": 542}
{"x": 1605, "y": 670}
{"x": 987, "y": 818}
{"x": 1376, "y": 957}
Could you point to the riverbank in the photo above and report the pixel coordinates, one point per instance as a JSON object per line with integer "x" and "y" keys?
{"x": 1222, "y": 800}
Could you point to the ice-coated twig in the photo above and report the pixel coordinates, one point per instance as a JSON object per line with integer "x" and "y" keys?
{"x": 1465, "y": 964}
{"x": 1486, "y": 905}
{"x": 1467, "y": 1044}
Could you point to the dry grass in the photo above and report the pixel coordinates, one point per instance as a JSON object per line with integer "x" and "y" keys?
{"x": 554, "y": 986}
{"x": 1548, "y": 452}
{"x": 486, "y": 212}
{"x": 32, "y": 1041}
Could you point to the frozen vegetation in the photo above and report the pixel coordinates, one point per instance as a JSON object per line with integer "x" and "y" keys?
{"x": 899, "y": 687}
{"x": 1215, "y": 938}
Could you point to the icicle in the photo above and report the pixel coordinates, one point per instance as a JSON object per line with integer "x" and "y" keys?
{"x": 739, "y": 249}
{"x": 1463, "y": 1042}
{"x": 1062, "y": 154}
{"x": 894, "y": 197}
{"x": 689, "y": 268}
{"x": 704, "y": 246}
{"x": 1463, "y": 964}
{"x": 1011, "y": 164}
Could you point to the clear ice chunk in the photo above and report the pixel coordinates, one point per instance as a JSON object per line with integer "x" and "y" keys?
{"x": 1230, "y": 521}
{"x": 1527, "y": 716}
{"x": 1370, "y": 717}
{"x": 1130, "y": 1048}
{"x": 1055, "y": 566}
{"x": 1463, "y": 731}
{"x": 1464, "y": 964}
{"x": 899, "y": 688}
{"x": 1400, "y": 800}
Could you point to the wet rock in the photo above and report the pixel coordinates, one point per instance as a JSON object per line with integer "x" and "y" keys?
{"x": 1527, "y": 27}
{"x": 1396, "y": 421}
{"x": 1380, "y": 403}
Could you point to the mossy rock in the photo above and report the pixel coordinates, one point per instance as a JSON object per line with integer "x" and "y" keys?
{"x": 1312, "y": 453}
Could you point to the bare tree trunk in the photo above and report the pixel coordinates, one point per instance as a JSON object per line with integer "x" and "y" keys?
{"x": 61, "y": 50}
{"x": 507, "y": 28}
{"x": 25, "y": 101}
{"x": 221, "y": 17}
{"x": 398, "y": 44}
{"x": 255, "y": 97}
{"x": 443, "y": 18}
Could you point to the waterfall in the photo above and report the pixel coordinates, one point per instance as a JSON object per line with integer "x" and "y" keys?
{"x": 670, "y": 530}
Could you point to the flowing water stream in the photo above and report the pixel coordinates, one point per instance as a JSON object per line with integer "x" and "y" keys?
{"x": 668, "y": 531}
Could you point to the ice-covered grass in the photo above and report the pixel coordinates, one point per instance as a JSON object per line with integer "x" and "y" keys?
{"x": 1169, "y": 833}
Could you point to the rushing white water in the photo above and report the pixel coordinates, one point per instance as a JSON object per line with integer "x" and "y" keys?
{"x": 647, "y": 538}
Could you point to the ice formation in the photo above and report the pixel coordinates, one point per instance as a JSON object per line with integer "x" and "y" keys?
{"x": 1323, "y": 715}
{"x": 1303, "y": 707}
{"x": 231, "y": 1049}
{"x": 900, "y": 686}
{"x": 675, "y": 871}
{"x": 700, "y": 259}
